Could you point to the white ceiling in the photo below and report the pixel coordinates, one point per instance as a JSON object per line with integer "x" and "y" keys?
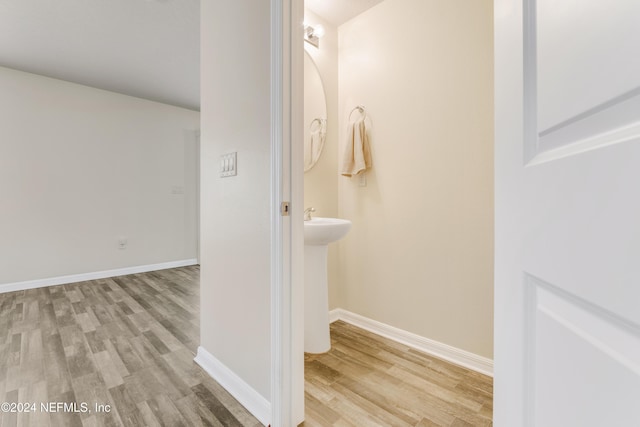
{"x": 337, "y": 12}
{"x": 145, "y": 48}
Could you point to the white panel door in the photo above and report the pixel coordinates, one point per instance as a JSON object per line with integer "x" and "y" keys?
{"x": 567, "y": 302}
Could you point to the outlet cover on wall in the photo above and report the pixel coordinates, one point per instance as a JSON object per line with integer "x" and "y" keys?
{"x": 228, "y": 164}
{"x": 122, "y": 242}
{"x": 362, "y": 179}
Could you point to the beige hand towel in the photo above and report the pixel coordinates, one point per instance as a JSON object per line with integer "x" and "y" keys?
{"x": 357, "y": 153}
{"x": 313, "y": 148}
{"x": 308, "y": 153}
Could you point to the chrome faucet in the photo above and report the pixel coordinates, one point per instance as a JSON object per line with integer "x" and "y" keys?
{"x": 307, "y": 213}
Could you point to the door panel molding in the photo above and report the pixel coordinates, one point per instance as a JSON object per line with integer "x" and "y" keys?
{"x": 552, "y": 312}
{"x": 613, "y": 121}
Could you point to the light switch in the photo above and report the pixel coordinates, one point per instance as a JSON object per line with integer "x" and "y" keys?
{"x": 228, "y": 164}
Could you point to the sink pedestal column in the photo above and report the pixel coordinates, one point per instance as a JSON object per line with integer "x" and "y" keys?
{"x": 316, "y": 300}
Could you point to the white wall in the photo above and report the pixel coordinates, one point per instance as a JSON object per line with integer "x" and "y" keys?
{"x": 80, "y": 167}
{"x": 420, "y": 254}
{"x": 321, "y": 182}
{"x": 235, "y": 211}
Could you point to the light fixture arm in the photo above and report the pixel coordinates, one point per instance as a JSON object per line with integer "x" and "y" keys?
{"x": 312, "y": 34}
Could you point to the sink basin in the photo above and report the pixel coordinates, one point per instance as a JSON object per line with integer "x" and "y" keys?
{"x": 322, "y": 231}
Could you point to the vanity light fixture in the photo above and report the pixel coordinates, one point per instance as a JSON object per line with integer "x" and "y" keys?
{"x": 313, "y": 33}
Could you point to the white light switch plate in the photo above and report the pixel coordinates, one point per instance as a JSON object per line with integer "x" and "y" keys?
{"x": 229, "y": 164}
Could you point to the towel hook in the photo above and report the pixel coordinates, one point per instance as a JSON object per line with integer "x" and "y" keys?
{"x": 360, "y": 109}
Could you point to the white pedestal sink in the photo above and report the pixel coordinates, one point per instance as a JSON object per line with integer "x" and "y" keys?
{"x": 318, "y": 233}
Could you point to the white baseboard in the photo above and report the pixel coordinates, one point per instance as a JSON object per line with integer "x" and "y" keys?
{"x": 236, "y": 386}
{"x": 335, "y": 314}
{"x": 73, "y": 278}
{"x": 443, "y": 351}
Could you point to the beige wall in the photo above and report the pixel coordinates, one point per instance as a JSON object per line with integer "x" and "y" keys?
{"x": 420, "y": 254}
{"x": 235, "y": 211}
{"x": 80, "y": 168}
{"x": 321, "y": 182}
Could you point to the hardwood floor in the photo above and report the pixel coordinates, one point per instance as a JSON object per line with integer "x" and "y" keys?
{"x": 127, "y": 342}
{"x": 367, "y": 380}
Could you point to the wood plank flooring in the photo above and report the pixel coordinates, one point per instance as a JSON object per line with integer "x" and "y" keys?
{"x": 127, "y": 342}
{"x": 367, "y": 380}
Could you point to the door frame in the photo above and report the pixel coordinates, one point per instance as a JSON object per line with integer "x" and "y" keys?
{"x": 198, "y": 167}
{"x": 287, "y": 232}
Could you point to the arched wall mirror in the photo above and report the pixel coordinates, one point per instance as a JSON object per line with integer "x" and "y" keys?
{"x": 315, "y": 114}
